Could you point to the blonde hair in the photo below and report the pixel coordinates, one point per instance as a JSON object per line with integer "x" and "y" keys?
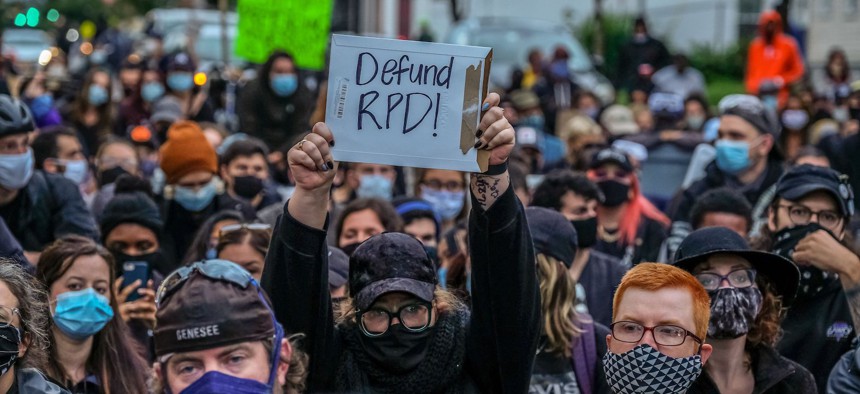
{"x": 557, "y": 298}
{"x": 577, "y": 126}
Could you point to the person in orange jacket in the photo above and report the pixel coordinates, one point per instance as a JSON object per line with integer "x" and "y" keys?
{"x": 773, "y": 57}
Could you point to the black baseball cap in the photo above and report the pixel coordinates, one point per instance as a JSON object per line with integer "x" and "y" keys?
{"x": 611, "y": 155}
{"x": 204, "y": 313}
{"x": 552, "y": 234}
{"x": 806, "y": 178}
{"x": 390, "y": 262}
{"x": 708, "y": 241}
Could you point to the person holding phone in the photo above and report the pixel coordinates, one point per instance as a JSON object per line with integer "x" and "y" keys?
{"x": 91, "y": 349}
{"x": 131, "y": 230}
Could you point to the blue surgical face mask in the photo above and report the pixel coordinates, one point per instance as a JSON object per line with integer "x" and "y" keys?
{"x": 195, "y": 201}
{"x": 443, "y": 276}
{"x": 180, "y": 81}
{"x": 375, "y": 186}
{"x": 16, "y": 170}
{"x": 42, "y": 105}
{"x": 97, "y": 95}
{"x": 99, "y": 56}
{"x": 82, "y": 314}
{"x": 151, "y": 91}
{"x": 445, "y": 203}
{"x": 76, "y": 171}
{"x": 284, "y": 85}
{"x": 732, "y": 156}
{"x": 770, "y": 101}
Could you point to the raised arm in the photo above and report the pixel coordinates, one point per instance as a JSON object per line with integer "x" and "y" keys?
{"x": 505, "y": 324}
{"x": 497, "y": 136}
{"x": 296, "y": 271}
{"x": 313, "y": 169}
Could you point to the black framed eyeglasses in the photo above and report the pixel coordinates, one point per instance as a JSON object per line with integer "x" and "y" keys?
{"x": 664, "y": 335}
{"x": 414, "y": 317}
{"x": 800, "y": 215}
{"x": 213, "y": 269}
{"x": 739, "y": 278}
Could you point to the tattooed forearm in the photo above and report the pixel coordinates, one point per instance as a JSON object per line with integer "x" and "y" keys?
{"x": 488, "y": 188}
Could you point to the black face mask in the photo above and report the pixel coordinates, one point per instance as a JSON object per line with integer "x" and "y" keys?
{"x": 398, "y": 350}
{"x": 586, "y": 232}
{"x": 812, "y": 279}
{"x": 247, "y": 186}
{"x": 733, "y": 311}
{"x": 350, "y": 249}
{"x": 109, "y": 176}
{"x": 615, "y": 193}
{"x": 10, "y": 339}
{"x": 432, "y": 252}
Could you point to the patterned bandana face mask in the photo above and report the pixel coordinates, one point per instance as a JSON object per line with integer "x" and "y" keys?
{"x": 733, "y": 311}
{"x": 646, "y": 370}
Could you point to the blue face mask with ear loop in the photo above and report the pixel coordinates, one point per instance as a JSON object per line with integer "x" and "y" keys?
{"x": 82, "y": 314}
{"x": 217, "y": 382}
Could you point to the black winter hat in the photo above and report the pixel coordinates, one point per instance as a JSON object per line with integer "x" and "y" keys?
{"x": 708, "y": 241}
{"x": 390, "y": 262}
{"x": 552, "y": 234}
{"x": 135, "y": 207}
{"x": 806, "y": 178}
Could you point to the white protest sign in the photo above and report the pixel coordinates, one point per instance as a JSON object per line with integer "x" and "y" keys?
{"x": 406, "y": 103}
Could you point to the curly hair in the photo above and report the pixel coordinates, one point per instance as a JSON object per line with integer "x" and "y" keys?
{"x": 767, "y": 330}
{"x": 32, "y": 310}
{"x": 557, "y": 183}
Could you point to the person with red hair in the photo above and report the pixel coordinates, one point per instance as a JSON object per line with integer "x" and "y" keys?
{"x": 660, "y": 317}
{"x": 629, "y": 226}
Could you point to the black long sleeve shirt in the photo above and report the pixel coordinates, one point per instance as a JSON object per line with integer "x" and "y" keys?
{"x": 505, "y": 320}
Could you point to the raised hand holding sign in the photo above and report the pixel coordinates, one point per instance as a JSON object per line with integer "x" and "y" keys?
{"x": 407, "y": 103}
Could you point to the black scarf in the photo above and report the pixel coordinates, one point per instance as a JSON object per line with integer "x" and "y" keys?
{"x": 441, "y": 371}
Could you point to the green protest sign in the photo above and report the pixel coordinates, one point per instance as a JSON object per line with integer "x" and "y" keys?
{"x": 298, "y": 27}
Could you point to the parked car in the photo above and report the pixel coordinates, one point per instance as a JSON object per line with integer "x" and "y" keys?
{"x": 162, "y": 21}
{"x": 512, "y": 39}
{"x": 207, "y": 45}
{"x": 25, "y": 44}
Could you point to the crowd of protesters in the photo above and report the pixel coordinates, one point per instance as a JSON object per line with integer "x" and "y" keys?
{"x": 662, "y": 245}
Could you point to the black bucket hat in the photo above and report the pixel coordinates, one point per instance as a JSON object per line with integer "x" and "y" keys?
{"x": 390, "y": 262}
{"x": 705, "y": 242}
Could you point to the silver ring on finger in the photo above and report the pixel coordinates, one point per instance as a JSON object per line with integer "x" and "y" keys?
{"x": 299, "y": 145}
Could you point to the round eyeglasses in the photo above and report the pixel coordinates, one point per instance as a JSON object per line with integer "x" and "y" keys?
{"x": 413, "y": 317}
{"x": 800, "y": 215}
